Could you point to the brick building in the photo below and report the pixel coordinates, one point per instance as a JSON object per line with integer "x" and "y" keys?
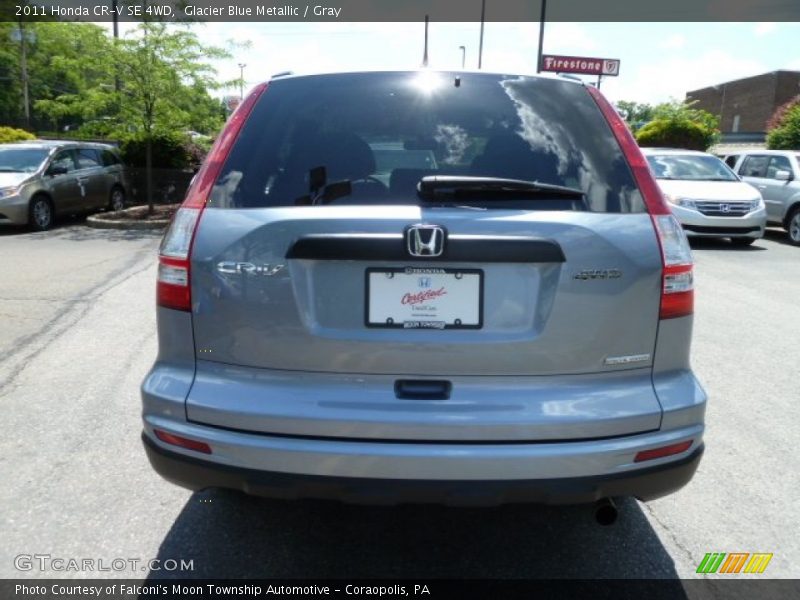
{"x": 745, "y": 105}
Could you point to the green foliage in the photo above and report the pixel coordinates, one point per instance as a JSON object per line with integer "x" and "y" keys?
{"x": 678, "y": 125}
{"x": 784, "y": 127}
{"x": 10, "y": 134}
{"x": 73, "y": 69}
{"x": 636, "y": 114}
{"x": 170, "y": 150}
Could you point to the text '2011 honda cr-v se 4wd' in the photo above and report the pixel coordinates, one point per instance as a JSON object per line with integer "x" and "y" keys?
{"x": 421, "y": 286}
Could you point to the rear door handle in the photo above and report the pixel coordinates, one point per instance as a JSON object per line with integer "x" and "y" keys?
{"x": 422, "y": 389}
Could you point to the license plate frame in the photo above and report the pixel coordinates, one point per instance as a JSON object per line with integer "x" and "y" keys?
{"x": 436, "y": 275}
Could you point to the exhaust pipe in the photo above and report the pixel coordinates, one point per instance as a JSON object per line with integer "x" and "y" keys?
{"x": 605, "y": 512}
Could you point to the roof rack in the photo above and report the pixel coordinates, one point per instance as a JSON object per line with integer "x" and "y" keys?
{"x": 282, "y": 74}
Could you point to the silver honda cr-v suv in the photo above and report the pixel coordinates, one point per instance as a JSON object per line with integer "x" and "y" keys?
{"x": 421, "y": 286}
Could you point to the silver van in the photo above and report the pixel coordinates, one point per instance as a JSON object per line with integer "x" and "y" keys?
{"x": 499, "y": 309}
{"x": 42, "y": 180}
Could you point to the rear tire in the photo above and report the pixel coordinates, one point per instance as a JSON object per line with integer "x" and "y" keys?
{"x": 116, "y": 201}
{"x": 40, "y": 213}
{"x": 742, "y": 241}
{"x": 793, "y": 227}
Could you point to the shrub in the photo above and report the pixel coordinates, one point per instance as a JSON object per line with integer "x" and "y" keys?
{"x": 169, "y": 151}
{"x": 676, "y": 134}
{"x": 678, "y": 125}
{"x": 10, "y": 134}
{"x": 783, "y": 129}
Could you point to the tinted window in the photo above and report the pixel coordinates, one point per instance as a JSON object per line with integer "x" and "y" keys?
{"x": 87, "y": 158}
{"x": 754, "y": 166}
{"x": 25, "y": 160}
{"x": 731, "y": 161}
{"x": 109, "y": 158}
{"x": 64, "y": 160}
{"x": 778, "y": 163}
{"x": 689, "y": 167}
{"x": 383, "y": 132}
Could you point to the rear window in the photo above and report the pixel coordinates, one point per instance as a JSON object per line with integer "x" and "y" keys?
{"x": 109, "y": 158}
{"x": 383, "y": 132}
{"x": 87, "y": 158}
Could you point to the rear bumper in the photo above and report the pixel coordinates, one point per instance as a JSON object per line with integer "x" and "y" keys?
{"x": 659, "y": 478}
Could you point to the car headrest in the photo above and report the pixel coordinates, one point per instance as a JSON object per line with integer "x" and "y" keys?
{"x": 344, "y": 156}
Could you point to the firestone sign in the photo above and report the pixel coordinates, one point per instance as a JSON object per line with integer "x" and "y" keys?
{"x": 580, "y": 64}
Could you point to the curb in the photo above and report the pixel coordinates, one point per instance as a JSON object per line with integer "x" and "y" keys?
{"x": 107, "y": 221}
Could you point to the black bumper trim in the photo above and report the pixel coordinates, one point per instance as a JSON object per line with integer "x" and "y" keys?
{"x": 457, "y": 248}
{"x": 646, "y": 484}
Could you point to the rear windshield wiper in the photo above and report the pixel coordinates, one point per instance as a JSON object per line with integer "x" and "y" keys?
{"x": 456, "y": 185}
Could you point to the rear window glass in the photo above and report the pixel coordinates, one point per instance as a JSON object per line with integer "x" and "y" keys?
{"x": 87, "y": 158}
{"x": 109, "y": 158}
{"x": 383, "y": 132}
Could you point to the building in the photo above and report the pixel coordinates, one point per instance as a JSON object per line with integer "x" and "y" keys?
{"x": 745, "y": 105}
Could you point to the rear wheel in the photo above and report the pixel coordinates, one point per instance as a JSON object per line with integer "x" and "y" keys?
{"x": 116, "y": 200}
{"x": 40, "y": 213}
{"x": 793, "y": 226}
{"x": 742, "y": 241}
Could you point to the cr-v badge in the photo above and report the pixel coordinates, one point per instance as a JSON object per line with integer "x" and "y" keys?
{"x": 246, "y": 268}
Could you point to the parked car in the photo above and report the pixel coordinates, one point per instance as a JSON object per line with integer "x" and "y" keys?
{"x": 510, "y": 323}
{"x": 707, "y": 198}
{"x": 776, "y": 174}
{"x": 42, "y": 180}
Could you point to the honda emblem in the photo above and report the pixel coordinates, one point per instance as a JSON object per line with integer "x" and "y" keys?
{"x": 425, "y": 240}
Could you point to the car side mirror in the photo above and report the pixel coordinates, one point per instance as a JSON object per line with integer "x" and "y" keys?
{"x": 57, "y": 170}
{"x": 783, "y": 176}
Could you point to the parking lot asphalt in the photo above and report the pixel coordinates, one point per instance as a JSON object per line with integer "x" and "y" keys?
{"x": 79, "y": 335}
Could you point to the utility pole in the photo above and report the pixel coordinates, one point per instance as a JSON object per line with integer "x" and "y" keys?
{"x": 480, "y": 43}
{"x": 115, "y": 21}
{"x": 541, "y": 36}
{"x": 241, "y": 80}
{"x": 23, "y": 63}
{"x": 463, "y": 55}
{"x": 425, "y": 51}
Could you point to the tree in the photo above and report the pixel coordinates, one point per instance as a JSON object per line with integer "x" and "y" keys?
{"x": 156, "y": 64}
{"x": 783, "y": 129}
{"x": 677, "y": 125}
{"x": 636, "y": 114}
{"x": 64, "y": 61}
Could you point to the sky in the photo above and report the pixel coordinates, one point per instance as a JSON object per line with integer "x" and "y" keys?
{"x": 659, "y": 61}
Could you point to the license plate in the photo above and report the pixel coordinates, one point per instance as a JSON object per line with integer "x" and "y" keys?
{"x": 424, "y": 298}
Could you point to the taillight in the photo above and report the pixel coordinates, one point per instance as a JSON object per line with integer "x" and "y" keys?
{"x": 173, "y": 289}
{"x": 677, "y": 293}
